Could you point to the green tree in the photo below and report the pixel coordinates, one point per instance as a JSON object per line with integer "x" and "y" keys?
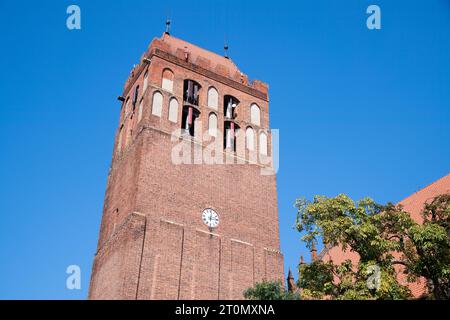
{"x": 269, "y": 291}
{"x": 427, "y": 253}
{"x": 377, "y": 233}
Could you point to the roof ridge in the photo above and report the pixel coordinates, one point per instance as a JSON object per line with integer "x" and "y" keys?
{"x": 200, "y": 48}
{"x": 426, "y": 187}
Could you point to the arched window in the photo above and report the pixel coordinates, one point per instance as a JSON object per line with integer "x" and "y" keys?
{"x": 230, "y": 104}
{"x": 212, "y": 125}
{"x": 213, "y": 98}
{"x": 167, "y": 80}
{"x": 136, "y": 96}
{"x": 141, "y": 107}
{"x": 128, "y": 134}
{"x": 189, "y": 120}
{"x": 119, "y": 143}
{"x": 263, "y": 144}
{"x": 255, "y": 114}
{"x": 157, "y": 104}
{"x": 250, "y": 139}
{"x": 173, "y": 110}
{"x": 230, "y": 134}
{"x": 145, "y": 81}
{"x": 127, "y": 106}
{"x": 191, "y": 92}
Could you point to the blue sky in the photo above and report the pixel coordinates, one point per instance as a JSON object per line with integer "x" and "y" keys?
{"x": 359, "y": 112}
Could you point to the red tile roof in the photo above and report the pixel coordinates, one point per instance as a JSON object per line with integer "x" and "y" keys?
{"x": 415, "y": 202}
{"x": 195, "y": 52}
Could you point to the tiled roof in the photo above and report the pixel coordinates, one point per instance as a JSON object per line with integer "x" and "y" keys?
{"x": 195, "y": 52}
{"x": 415, "y": 202}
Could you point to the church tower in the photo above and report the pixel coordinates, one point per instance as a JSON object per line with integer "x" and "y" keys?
{"x": 190, "y": 209}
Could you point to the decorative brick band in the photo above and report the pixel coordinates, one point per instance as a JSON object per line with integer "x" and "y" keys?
{"x": 242, "y": 242}
{"x": 172, "y": 223}
{"x": 208, "y": 233}
{"x": 273, "y": 250}
{"x": 125, "y": 222}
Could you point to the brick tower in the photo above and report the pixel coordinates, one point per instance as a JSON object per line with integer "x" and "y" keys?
{"x": 190, "y": 208}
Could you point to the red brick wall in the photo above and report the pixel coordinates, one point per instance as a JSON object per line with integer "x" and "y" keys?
{"x": 175, "y": 256}
{"x": 115, "y": 274}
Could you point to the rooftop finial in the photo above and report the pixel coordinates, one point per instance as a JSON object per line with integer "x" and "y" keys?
{"x": 168, "y": 26}
{"x": 225, "y": 47}
{"x": 302, "y": 261}
{"x": 313, "y": 252}
{"x": 292, "y": 287}
{"x": 290, "y": 274}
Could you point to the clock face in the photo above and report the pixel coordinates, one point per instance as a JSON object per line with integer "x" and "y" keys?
{"x": 210, "y": 218}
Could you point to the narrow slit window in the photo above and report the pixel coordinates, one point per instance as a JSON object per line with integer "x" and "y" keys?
{"x": 140, "y": 110}
{"x": 136, "y": 96}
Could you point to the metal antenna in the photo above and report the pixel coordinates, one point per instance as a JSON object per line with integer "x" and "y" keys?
{"x": 226, "y": 47}
{"x": 168, "y": 26}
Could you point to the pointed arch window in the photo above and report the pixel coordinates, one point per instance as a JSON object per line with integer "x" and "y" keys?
{"x": 127, "y": 106}
{"x": 141, "y": 109}
{"x": 145, "y": 81}
{"x": 157, "y": 104}
{"x": 263, "y": 144}
{"x": 191, "y": 93}
{"x": 230, "y": 104}
{"x": 250, "y": 139}
{"x": 255, "y": 114}
{"x": 213, "y": 98}
{"x": 212, "y": 125}
{"x": 128, "y": 134}
{"x": 229, "y": 138}
{"x": 119, "y": 142}
{"x": 189, "y": 121}
{"x": 136, "y": 96}
{"x": 167, "y": 80}
{"x": 173, "y": 110}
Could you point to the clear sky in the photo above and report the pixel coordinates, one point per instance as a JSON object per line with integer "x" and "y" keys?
{"x": 362, "y": 112}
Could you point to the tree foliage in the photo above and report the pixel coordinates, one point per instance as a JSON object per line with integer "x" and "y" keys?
{"x": 382, "y": 236}
{"x": 427, "y": 254}
{"x": 269, "y": 291}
